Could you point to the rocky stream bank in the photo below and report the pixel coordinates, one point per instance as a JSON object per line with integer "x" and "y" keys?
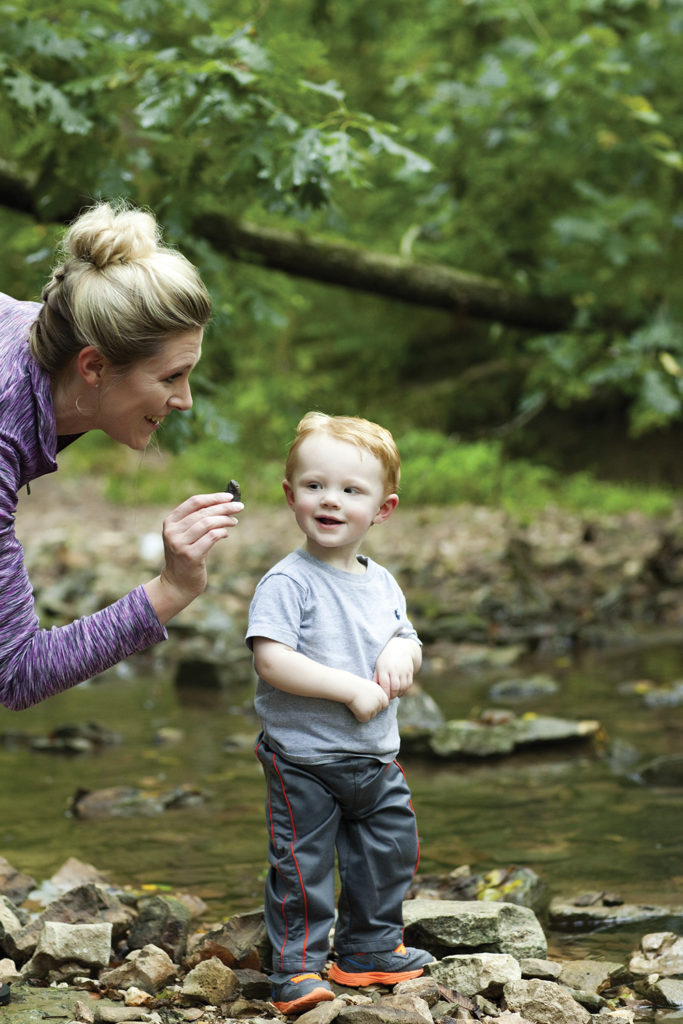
{"x": 77, "y": 949}
{"x": 482, "y": 589}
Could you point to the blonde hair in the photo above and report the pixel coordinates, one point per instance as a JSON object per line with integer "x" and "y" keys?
{"x": 119, "y": 288}
{"x": 354, "y": 430}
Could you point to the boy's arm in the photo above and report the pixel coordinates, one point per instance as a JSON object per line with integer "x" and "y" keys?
{"x": 288, "y": 670}
{"x": 400, "y": 658}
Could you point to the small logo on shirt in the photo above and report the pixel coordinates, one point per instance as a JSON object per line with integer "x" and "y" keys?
{"x": 397, "y": 613}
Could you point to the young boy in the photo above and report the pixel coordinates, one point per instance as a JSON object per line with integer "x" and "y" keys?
{"x": 333, "y": 649}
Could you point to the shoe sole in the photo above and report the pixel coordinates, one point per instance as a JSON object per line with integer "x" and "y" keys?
{"x": 363, "y": 978}
{"x": 318, "y": 995}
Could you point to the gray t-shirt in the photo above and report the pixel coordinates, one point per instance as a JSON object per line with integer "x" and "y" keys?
{"x": 340, "y": 619}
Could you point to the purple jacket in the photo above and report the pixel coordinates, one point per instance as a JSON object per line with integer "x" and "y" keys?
{"x": 36, "y": 663}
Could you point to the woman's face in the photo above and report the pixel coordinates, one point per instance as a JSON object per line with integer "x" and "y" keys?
{"x": 135, "y": 402}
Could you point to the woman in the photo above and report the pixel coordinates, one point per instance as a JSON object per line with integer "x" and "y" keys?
{"x": 111, "y": 348}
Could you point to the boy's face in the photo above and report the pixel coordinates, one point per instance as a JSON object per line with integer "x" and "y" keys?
{"x": 337, "y": 492}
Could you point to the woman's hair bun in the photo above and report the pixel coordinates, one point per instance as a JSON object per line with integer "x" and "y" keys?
{"x": 105, "y": 236}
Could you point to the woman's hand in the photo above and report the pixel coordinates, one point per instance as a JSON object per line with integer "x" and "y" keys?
{"x": 189, "y": 533}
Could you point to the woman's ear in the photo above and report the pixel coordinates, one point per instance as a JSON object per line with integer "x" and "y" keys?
{"x": 90, "y": 363}
{"x": 386, "y": 508}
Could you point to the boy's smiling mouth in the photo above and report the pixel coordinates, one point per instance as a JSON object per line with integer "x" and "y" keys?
{"x": 328, "y": 520}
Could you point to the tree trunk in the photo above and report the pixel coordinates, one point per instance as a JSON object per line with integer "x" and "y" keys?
{"x": 349, "y": 266}
{"x": 338, "y": 263}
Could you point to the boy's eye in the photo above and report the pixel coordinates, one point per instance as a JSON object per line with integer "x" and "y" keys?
{"x": 351, "y": 490}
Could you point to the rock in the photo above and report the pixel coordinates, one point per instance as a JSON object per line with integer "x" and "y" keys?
{"x": 507, "y": 885}
{"x": 162, "y": 921}
{"x": 88, "y": 945}
{"x": 150, "y": 969}
{"x": 387, "y": 1010}
{"x": 666, "y": 992}
{"x": 253, "y": 984}
{"x": 521, "y": 886}
{"x": 13, "y": 884}
{"x": 660, "y": 953}
{"x": 240, "y": 942}
{"x": 418, "y": 713}
{"x": 534, "y": 967}
{"x": 523, "y": 688}
{"x": 10, "y": 925}
{"x": 76, "y": 739}
{"x": 543, "y": 1002}
{"x": 448, "y": 926}
{"x": 8, "y": 972}
{"x": 476, "y": 973}
{"x": 504, "y": 735}
{"x": 505, "y": 1018}
{"x": 323, "y": 1013}
{"x": 210, "y": 982}
{"x": 86, "y": 904}
{"x": 564, "y": 915}
{"x": 74, "y": 873}
{"x": 666, "y": 770}
{"x": 136, "y": 997}
{"x": 588, "y": 975}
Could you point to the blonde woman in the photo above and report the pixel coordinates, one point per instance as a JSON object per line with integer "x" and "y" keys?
{"x": 111, "y": 347}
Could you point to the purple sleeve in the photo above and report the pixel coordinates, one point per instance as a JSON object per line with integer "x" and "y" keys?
{"x": 37, "y": 663}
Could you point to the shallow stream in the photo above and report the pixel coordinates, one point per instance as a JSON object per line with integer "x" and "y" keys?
{"x": 568, "y": 814}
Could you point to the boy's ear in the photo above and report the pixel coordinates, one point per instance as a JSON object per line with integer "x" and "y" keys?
{"x": 289, "y": 493}
{"x": 386, "y": 508}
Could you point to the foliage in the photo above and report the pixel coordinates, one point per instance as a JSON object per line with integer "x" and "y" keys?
{"x": 540, "y": 144}
{"x": 436, "y": 471}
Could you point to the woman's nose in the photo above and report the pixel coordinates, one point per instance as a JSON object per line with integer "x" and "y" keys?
{"x": 182, "y": 398}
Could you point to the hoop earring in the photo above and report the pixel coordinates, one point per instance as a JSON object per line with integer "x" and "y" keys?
{"x": 78, "y": 408}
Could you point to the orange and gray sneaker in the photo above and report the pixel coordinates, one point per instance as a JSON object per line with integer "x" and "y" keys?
{"x": 299, "y": 992}
{"x": 360, "y": 969}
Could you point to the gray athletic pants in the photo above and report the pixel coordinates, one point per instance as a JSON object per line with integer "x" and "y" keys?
{"x": 361, "y": 807}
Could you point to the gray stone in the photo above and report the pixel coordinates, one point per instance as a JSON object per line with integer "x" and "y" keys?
{"x": 483, "y": 739}
{"x": 8, "y": 972}
{"x": 150, "y": 969}
{"x": 10, "y": 925}
{"x": 534, "y": 967}
{"x": 323, "y": 1013}
{"x": 476, "y": 973}
{"x": 565, "y": 915}
{"x": 588, "y": 975}
{"x": 240, "y": 942}
{"x": 666, "y": 992}
{"x": 388, "y": 1010}
{"x": 13, "y": 883}
{"x": 660, "y": 953}
{"x": 666, "y": 770}
{"x": 544, "y": 1002}
{"x": 210, "y": 982}
{"x": 451, "y": 926}
{"x": 162, "y": 921}
{"x": 85, "y": 945}
{"x": 86, "y": 904}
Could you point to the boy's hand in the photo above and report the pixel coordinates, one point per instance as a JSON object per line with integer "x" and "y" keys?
{"x": 395, "y": 666}
{"x": 367, "y": 701}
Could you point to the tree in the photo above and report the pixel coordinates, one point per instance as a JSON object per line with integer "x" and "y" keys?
{"x": 532, "y": 183}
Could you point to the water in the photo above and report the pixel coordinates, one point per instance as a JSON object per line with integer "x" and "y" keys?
{"x": 567, "y": 815}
